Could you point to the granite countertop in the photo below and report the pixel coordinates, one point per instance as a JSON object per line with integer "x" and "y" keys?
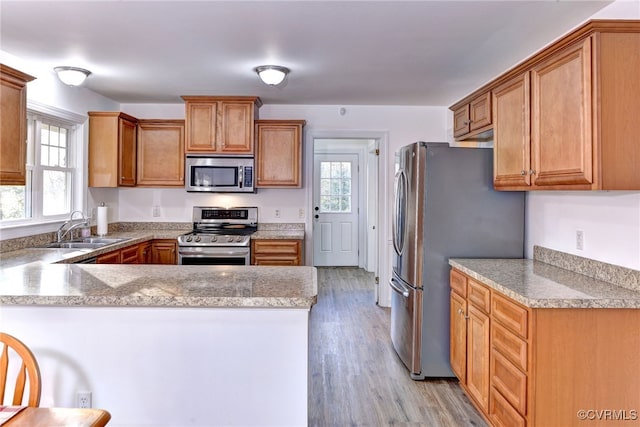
{"x": 45, "y": 276}
{"x": 537, "y": 284}
{"x": 279, "y": 231}
{"x": 158, "y": 285}
{"x": 68, "y": 256}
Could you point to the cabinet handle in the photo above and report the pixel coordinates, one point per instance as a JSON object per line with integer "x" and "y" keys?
{"x": 523, "y": 172}
{"x": 467, "y": 122}
{"x": 532, "y": 172}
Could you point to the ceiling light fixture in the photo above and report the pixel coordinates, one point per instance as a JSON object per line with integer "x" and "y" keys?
{"x": 72, "y": 76}
{"x": 272, "y": 75}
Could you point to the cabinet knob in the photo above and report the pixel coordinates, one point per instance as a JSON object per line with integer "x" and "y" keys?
{"x": 532, "y": 172}
{"x": 523, "y": 172}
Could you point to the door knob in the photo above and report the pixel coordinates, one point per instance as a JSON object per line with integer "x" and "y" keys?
{"x": 316, "y": 216}
{"x": 316, "y": 208}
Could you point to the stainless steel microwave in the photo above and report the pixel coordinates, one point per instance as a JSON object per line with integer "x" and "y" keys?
{"x": 219, "y": 174}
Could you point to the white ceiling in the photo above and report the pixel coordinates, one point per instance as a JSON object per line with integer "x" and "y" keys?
{"x": 340, "y": 52}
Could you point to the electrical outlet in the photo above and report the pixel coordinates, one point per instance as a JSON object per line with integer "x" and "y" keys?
{"x": 83, "y": 399}
{"x": 277, "y": 213}
{"x": 301, "y": 213}
{"x": 579, "y": 240}
{"x": 156, "y": 211}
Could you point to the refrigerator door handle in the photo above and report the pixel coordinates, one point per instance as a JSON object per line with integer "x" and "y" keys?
{"x": 400, "y": 210}
{"x": 399, "y": 288}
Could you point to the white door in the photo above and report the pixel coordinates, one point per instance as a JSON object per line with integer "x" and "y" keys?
{"x": 335, "y": 215}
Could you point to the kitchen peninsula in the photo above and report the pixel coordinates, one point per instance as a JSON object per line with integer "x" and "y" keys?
{"x": 225, "y": 345}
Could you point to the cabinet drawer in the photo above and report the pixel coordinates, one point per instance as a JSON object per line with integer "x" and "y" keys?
{"x": 511, "y": 346}
{"x": 285, "y": 247}
{"x": 510, "y": 315}
{"x": 458, "y": 282}
{"x": 479, "y": 295}
{"x": 509, "y": 381}
{"x": 502, "y": 414}
{"x": 129, "y": 255}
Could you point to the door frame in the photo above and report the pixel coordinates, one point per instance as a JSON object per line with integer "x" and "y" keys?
{"x": 382, "y": 292}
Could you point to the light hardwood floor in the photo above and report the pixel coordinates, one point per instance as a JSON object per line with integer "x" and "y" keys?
{"x": 356, "y": 378}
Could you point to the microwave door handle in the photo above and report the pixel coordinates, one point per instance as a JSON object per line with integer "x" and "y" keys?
{"x": 240, "y": 175}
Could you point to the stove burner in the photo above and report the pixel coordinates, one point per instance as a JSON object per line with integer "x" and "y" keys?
{"x": 213, "y": 226}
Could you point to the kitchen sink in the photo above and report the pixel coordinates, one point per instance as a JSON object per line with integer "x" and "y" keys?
{"x": 86, "y": 243}
{"x": 102, "y": 240}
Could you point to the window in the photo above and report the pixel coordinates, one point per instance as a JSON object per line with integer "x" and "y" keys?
{"x": 335, "y": 187}
{"x": 49, "y": 192}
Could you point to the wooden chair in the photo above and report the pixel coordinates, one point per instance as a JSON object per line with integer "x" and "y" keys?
{"x": 28, "y": 370}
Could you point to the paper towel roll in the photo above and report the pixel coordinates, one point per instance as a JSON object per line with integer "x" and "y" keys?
{"x": 102, "y": 220}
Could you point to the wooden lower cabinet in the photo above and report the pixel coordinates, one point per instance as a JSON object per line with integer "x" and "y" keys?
{"x": 478, "y": 355}
{"x": 470, "y": 337}
{"x": 276, "y": 252}
{"x": 546, "y": 364}
{"x": 159, "y": 251}
{"x": 458, "y": 334}
{"x": 164, "y": 251}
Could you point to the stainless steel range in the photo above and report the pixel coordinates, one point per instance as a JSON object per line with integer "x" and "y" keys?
{"x": 220, "y": 236}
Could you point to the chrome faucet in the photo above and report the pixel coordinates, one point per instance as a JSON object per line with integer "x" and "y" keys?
{"x": 70, "y": 225}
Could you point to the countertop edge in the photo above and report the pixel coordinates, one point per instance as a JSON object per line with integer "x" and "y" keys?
{"x": 155, "y": 302}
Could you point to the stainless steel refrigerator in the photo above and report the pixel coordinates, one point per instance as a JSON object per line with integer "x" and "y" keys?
{"x": 444, "y": 207}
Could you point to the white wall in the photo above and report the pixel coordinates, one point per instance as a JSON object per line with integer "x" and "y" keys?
{"x": 609, "y": 220}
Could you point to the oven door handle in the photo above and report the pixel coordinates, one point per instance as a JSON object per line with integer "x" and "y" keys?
{"x": 221, "y": 253}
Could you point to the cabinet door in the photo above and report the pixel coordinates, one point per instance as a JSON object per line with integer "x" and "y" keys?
{"x": 458, "y": 337}
{"x": 236, "y": 130}
{"x": 144, "y": 253}
{"x": 161, "y": 153}
{"x": 461, "y": 121}
{"x": 279, "y": 153}
{"x": 561, "y": 128}
{"x": 127, "y": 153}
{"x": 13, "y": 131}
{"x": 478, "y": 356}
{"x": 163, "y": 252}
{"x": 480, "y": 112}
{"x": 201, "y": 126}
{"x": 511, "y": 117}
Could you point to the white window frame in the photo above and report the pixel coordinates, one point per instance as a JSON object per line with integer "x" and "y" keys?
{"x": 76, "y": 160}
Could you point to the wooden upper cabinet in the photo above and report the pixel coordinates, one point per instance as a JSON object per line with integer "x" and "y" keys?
{"x": 216, "y": 124}
{"x": 567, "y": 118}
{"x": 160, "y": 153}
{"x": 13, "y": 129}
{"x": 561, "y": 117}
{"x": 112, "y": 149}
{"x": 279, "y": 153}
{"x": 473, "y": 117}
{"x": 512, "y": 148}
